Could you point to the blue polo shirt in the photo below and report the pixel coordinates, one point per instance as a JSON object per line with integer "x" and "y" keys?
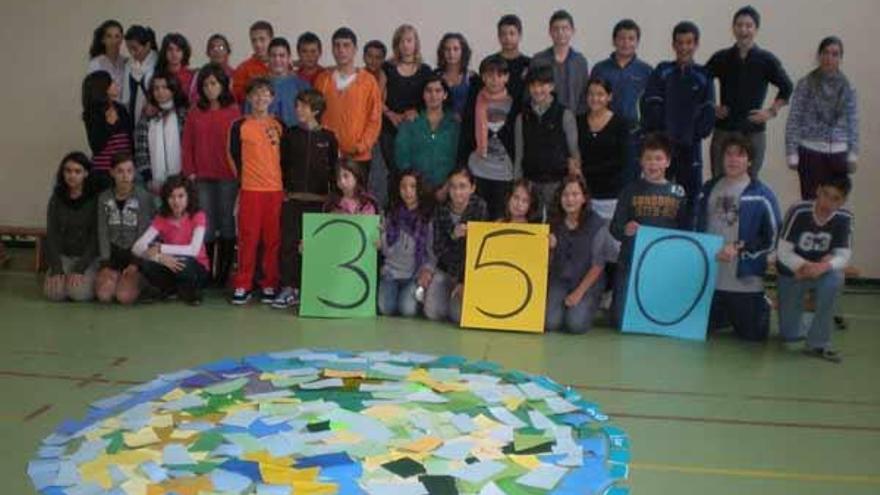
{"x": 627, "y": 82}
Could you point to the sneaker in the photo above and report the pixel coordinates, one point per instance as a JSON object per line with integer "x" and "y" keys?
{"x": 267, "y": 295}
{"x": 287, "y": 298}
{"x": 240, "y": 296}
{"x": 840, "y": 323}
{"x": 827, "y": 354}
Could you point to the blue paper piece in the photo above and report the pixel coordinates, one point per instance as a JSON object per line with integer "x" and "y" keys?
{"x": 671, "y": 282}
{"x": 345, "y": 476}
{"x": 260, "y": 429}
{"x": 274, "y": 490}
{"x": 50, "y": 452}
{"x": 324, "y": 461}
{"x": 224, "y": 365}
{"x": 592, "y": 477}
{"x": 248, "y": 469}
{"x": 228, "y": 481}
{"x": 154, "y": 472}
{"x": 176, "y": 454}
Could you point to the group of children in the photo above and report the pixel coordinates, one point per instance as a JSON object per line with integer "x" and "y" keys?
{"x": 236, "y": 156}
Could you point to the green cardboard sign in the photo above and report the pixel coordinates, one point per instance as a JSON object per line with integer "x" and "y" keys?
{"x": 339, "y": 265}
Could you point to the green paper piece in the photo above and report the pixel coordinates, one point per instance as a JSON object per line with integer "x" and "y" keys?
{"x": 511, "y": 487}
{"x": 291, "y": 381}
{"x": 206, "y": 442}
{"x": 512, "y": 470}
{"x": 404, "y": 467}
{"x": 216, "y": 403}
{"x": 224, "y": 388}
{"x": 439, "y": 485}
{"x": 322, "y": 426}
{"x": 197, "y": 469}
{"x": 525, "y": 441}
{"x": 339, "y": 265}
{"x": 351, "y": 400}
{"x": 116, "y": 442}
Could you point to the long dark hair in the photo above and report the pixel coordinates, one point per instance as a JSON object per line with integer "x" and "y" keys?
{"x": 179, "y": 41}
{"x": 360, "y": 191}
{"x": 61, "y": 190}
{"x": 533, "y": 199}
{"x": 181, "y": 101}
{"x": 192, "y": 196}
{"x": 423, "y": 192}
{"x": 559, "y": 215}
{"x": 216, "y": 70}
{"x": 97, "y": 47}
{"x": 465, "y": 52}
{"x": 95, "y": 100}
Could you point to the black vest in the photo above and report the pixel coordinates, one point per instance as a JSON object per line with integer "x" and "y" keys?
{"x": 545, "y": 150}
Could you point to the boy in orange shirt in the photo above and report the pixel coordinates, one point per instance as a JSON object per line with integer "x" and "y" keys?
{"x": 255, "y": 153}
{"x": 354, "y": 102}
{"x": 261, "y": 33}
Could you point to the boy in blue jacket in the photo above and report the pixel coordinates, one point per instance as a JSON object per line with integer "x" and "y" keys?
{"x": 680, "y": 101}
{"x": 744, "y": 211}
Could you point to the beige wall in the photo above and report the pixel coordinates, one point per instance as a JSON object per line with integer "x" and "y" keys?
{"x": 44, "y": 44}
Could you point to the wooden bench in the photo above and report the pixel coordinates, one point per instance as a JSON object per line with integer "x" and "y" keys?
{"x": 37, "y": 233}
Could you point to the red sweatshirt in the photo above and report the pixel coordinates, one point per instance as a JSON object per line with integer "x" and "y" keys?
{"x": 205, "y": 135}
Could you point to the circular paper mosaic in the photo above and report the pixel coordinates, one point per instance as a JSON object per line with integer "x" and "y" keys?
{"x": 329, "y": 422}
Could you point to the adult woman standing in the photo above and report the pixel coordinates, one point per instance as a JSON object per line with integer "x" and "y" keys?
{"x": 822, "y": 132}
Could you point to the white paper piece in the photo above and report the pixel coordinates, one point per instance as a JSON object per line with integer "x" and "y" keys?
{"x": 322, "y": 384}
{"x": 391, "y": 369}
{"x": 176, "y": 454}
{"x": 545, "y": 477}
{"x": 456, "y": 450}
{"x": 539, "y": 421}
{"x": 533, "y": 391}
{"x": 427, "y": 396}
{"x": 479, "y": 471}
{"x": 369, "y": 428}
{"x": 241, "y": 419}
{"x": 561, "y": 406}
{"x": 417, "y": 358}
{"x": 463, "y": 423}
{"x": 491, "y": 489}
{"x": 399, "y": 488}
{"x": 506, "y": 417}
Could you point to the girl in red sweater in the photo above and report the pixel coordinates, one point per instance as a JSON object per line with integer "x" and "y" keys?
{"x": 205, "y": 163}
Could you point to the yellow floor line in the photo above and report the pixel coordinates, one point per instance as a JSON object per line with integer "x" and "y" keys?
{"x": 758, "y": 473}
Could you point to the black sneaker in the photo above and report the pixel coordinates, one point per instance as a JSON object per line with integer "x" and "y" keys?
{"x": 267, "y": 295}
{"x": 826, "y": 354}
{"x": 840, "y": 322}
{"x": 240, "y": 296}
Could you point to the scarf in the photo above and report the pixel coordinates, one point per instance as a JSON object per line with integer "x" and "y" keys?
{"x": 828, "y": 93}
{"x": 481, "y": 116}
{"x": 413, "y": 224}
{"x": 164, "y": 139}
{"x": 139, "y": 75}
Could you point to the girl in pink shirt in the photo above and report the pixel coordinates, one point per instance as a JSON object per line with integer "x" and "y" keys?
{"x": 350, "y": 195}
{"x": 173, "y": 246}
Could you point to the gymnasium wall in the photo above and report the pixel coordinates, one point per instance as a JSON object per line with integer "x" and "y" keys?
{"x": 45, "y": 42}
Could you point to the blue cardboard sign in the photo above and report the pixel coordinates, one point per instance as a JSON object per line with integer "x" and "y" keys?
{"x": 671, "y": 282}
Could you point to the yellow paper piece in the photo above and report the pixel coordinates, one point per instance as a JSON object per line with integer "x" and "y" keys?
{"x": 484, "y": 423}
{"x": 96, "y": 471}
{"x": 513, "y": 403}
{"x": 175, "y": 394}
{"x": 385, "y": 412}
{"x": 314, "y": 488}
{"x": 526, "y": 461}
{"x": 424, "y": 444}
{"x": 344, "y": 437}
{"x": 328, "y": 373}
{"x": 274, "y": 474}
{"x": 264, "y": 457}
{"x": 135, "y": 486}
{"x": 146, "y": 436}
{"x": 162, "y": 421}
{"x": 505, "y": 281}
{"x": 182, "y": 486}
{"x": 183, "y": 434}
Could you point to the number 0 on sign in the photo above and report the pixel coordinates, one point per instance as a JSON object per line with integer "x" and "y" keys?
{"x": 505, "y": 276}
{"x": 339, "y": 265}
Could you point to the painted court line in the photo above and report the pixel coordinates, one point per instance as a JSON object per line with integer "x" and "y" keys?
{"x": 71, "y": 378}
{"x": 40, "y": 410}
{"x": 746, "y": 422}
{"x": 755, "y": 397}
{"x": 759, "y": 474}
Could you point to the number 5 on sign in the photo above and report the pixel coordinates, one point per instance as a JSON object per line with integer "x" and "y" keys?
{"x": 339, "y": 265}
{"x": 505, "y": 280}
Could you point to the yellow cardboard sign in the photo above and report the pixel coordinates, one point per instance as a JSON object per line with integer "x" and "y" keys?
{"x": 505, "y": 280}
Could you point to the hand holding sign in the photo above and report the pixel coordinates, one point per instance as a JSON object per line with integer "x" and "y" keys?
{"x": 506, "y": 276}
{"x": 339, "y": 265}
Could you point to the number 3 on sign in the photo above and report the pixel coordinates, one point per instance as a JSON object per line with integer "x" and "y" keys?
{"x": 505, "y": 277}
{"x": 339, "y": 265}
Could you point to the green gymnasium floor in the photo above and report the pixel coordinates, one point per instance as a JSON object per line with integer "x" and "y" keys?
{"x": 723, "y": 417}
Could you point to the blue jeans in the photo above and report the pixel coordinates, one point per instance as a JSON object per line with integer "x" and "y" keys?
{"x": 576, "y": 319}
{"x": 791, "y": 307}
{"x": 397, "y": 296}
{"x": 217, "y": 199}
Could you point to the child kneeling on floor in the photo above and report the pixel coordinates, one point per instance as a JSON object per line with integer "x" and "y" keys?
{"x": 814, "y": 249}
